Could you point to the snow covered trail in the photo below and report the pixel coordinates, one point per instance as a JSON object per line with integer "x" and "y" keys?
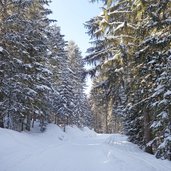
{"x": 75, "y": 150}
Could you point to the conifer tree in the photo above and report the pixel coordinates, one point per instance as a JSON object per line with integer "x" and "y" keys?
{"x": 152, "y": 75}
{"x": 114, "y": 38}
{"x": 76, "y": 66}
{"x": 137, "y": 34}
{"x": 25, "y": 83}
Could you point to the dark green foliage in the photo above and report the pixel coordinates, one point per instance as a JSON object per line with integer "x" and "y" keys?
{"x": 131, "y": 52}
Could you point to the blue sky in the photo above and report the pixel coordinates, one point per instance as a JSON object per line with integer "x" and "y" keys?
{"x": 71, "y": 14}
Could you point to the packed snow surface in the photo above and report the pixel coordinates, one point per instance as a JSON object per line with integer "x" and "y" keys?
{"x": 74, "y": 150}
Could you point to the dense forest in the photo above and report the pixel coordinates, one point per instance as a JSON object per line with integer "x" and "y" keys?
{"x": 42, "y": 76}
{"x": 131, "y": 57}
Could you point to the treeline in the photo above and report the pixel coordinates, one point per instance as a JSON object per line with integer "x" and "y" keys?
{"x": 131, "y": 54}
{"x": 41, "y": 75}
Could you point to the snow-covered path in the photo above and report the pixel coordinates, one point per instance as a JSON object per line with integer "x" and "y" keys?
{"x": 75, "y": 150}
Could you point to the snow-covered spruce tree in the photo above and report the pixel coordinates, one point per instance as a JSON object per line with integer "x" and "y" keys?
{"x": 152, "y": 75}
{"x": 24, "y": 79}
{"x": 62, "y": 96}
{"x": 114, "y": 38}
{"x": 56, "y": 64}
{"x": 87, "y": 115}
{"x": 160, "y": 60}
{"x": 65, "y": 101}
{"x": 141, "y": 30}
{"x": 76, "y": 67}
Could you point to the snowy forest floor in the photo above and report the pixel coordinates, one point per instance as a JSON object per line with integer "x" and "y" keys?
{"x": 74, "y": 150}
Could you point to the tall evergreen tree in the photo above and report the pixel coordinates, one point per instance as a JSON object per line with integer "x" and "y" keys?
{"x": 135, "y": 36}
{"x": 152, "y": 76}
{"x": 114, "y": 39}
{"x": 76, "y": 66}
{"x": 24, "y": 78}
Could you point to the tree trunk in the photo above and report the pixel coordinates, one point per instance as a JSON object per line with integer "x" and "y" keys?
{"x": 55, "y": 119}
{"x": 22, "y": 126}
{"x": 28, "y": 122}
{"x": 1, "y": 122}
{"x": 106, "y": 119}
{"x": 109, "y": 114}
{"x": 33, "y": 119}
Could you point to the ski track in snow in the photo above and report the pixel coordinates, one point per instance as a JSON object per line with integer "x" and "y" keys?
{"x": 75, "y": 150}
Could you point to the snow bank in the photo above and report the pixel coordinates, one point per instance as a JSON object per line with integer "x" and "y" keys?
{"x": 22, "y": 141}
{"x": 75, "y": 132}
{"x": 89, "y": 133}
{"x": 23, "y": 149}
{"x": 53, "y": 134}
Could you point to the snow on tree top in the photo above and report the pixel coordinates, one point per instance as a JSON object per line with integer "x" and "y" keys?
{"x": 1, "y": 49}
{"x": 42, "y": 87}
{"x": 156, "y": 124}
{"x": 163, "y": 114}
{"x": 168, "y": 93}
{"x": 119, "y": 69}
{"x": 45, "y": 70}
